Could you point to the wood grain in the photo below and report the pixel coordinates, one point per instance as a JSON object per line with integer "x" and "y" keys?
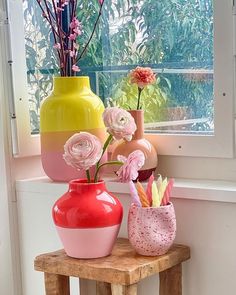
{"x": 56, "y": 284}
{"x": 171, "y": 281}
{"x": 123, "y": 267}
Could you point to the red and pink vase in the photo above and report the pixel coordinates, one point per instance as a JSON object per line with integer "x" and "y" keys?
{"x": 87, "y": 219}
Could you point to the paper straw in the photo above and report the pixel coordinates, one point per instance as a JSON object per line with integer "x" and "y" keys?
{"x": 162, "y": 189}
{"x": 134, "y": 194}
{"x": 142, "y": 195}
{"x": 149, "y": 189}
{"x": 167, "y": 194}
{"x": 159, "y": 182}
{"x": 155, "y": 196}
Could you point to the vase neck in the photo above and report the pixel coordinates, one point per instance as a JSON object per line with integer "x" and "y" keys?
{"x": 70, "y": 84}
{"x": 82, "y": 186}
{"x": 139, "y": 121}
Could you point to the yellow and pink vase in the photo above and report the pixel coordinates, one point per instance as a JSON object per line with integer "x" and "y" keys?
{"x": 72, "y": 107}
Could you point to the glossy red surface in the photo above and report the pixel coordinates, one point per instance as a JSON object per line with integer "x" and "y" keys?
{"x": 87, "y": 205}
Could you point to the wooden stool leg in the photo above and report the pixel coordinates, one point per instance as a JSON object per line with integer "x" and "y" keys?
{"x": 171, "y": 281}
{"x": 103, "y": 288}
{"x": 124, "y": 290}
{"x": 56, "y": 284}
{"x": 83, "y": 286}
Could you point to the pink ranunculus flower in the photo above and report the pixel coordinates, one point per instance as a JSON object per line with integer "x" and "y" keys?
{"x": 142, "y": 76}
{"x": 129, "y": 171}
{"x": 82, "y": 150}
{"x": 119, "y": 123}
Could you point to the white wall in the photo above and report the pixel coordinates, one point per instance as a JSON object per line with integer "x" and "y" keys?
{"x": 6, "y": 272}
{"x": 209, "y": 228}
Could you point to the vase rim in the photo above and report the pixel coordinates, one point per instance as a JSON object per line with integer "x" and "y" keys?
{"x": 138, "y": 111}
{"x": 71, "y": 77}
{"x": 84, "y": 182}
{"x": 152, "y": 208}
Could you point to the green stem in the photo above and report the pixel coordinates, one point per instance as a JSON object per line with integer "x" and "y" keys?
{"x": 139, "y": 96}
{"x": 107, "y": 163}
{"x": 107, "y": 142}
{"x": 88, "y": 176}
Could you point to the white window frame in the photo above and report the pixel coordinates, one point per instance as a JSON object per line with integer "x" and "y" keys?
{"x": 221, "y": 144}
{"x": 24, "y": 144}
{"x": 10, "y": 274}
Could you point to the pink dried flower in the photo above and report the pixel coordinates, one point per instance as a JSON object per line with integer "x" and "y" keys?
{"x": 52, "y": 12}
{"x": 120, "y": 124}
{"x": 59, "y": 9}
{"x": 142, "y": 76}
{"x": 77, "y": 31}
{"x": 72, "y": 53}
{"x": 57, "y": 46}
{"x": 72, "y": 37}
{"x": 64, "y": 3}
{"x": 75, "y": 23}
{"x": 129, "y": 171}
{"x": 75, "y": 68}
{"x": 82, "y": 150}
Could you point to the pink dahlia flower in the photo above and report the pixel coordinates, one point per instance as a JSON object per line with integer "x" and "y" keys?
{"x": 129, "y": 171}
{"x": 82, "y": 150}
{"x": 142, "y": 76}
{"x": 119, "y": 123}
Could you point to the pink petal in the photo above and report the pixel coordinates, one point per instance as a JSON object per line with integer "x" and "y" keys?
{"x": 75, "y": 68}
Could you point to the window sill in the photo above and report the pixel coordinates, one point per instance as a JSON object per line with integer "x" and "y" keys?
{"x": 205, "y": 190}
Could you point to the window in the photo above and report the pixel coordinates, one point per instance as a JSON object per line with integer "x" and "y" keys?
{"x": 188, "y": 44}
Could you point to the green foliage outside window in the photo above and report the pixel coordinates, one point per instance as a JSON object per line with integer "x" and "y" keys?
{"x": 167, "y": 34}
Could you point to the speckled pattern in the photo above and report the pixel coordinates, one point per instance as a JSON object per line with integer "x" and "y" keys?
{"x": 151, "y": 231}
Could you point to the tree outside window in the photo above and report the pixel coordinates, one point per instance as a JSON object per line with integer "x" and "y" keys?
{"x": 174, "y": 37}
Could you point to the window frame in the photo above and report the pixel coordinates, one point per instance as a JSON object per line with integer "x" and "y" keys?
{"x": 24, "y": 143}
{"x": 9, "y": 253}
{"x": 221, "y": 144}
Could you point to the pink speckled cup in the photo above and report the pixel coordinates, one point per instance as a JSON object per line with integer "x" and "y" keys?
{"x": 151, "y": 231}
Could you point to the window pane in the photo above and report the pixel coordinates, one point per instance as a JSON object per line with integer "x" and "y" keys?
{"x": 175, "y": 38}
{"x": 40, "y": 61}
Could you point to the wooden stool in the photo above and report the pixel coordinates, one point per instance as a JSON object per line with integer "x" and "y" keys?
{"x": 117, "y": 274}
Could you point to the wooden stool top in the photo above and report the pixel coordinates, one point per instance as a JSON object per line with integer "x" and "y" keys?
{"x": 124, "y": 266}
